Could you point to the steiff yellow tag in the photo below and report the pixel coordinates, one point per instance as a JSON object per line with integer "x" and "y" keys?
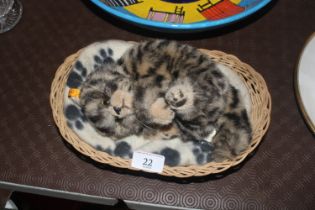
{"x": 74, "y": 92}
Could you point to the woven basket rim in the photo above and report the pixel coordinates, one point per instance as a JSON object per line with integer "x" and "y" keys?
{"x": 262, "y": 111}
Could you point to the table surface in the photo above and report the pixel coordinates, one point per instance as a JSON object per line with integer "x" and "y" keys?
{"x": 279, "y": 175}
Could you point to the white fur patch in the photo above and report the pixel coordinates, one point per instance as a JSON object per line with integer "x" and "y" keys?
{"x": 237, "y": 82}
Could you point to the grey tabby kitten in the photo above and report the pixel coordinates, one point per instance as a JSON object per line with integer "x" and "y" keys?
{"x": 165, "y": 86}
{"x": 176, "y": 85}
{"x": 107, "y": 101}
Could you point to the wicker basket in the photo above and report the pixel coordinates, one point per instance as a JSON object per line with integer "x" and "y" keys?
{"x": 260, "y": 117}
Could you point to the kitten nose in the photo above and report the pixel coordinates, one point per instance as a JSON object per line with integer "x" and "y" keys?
{"x": 117, "y": 109}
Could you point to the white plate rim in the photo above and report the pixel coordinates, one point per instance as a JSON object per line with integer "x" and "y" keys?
{"x": 303, "y": 110}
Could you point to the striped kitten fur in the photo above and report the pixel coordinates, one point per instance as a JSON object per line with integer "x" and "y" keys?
{"x": 164, "y": 85}
{"x": 107, "y": 101}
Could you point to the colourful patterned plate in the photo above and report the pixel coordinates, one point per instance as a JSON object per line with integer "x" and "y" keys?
{"x": 181, "y": 14}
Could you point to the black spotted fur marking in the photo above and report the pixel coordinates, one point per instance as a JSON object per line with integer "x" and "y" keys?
{"x": 104, "y": 58}
{"x": 78, "y": 65}
{"x": 103, "y": 53}
{"x": 235, "y": 98}
{"x": 217, "y": 74}
{"x": 80, "y": 68}
{"x": 112, "y": 86}
{"x": 139, "y": 94}
{"x": 95, "y": 118}
{"x": 158, "y": 80}
{"x": 97, "y": 59}
{"x": 201, "y": 158}
{"x": 110, "y": 51}
{"x": 108, "y": 60}
{"x": 139, "y": 55}
{"x": 151, "y": 71}
{"x": 74, "y": 116}
{"x": 120, "y": 62}
{"x": 78, "y": 124}
{"x": 105, "y": 130}
{"x": 123, "y": 149}
{"x": 96, "y": 81}
{"x": 206, "y": 146}
{"x": 74, "y": 80}
{"x": 235, "y": 118}
{"x": 172, "y": 157}
{"x": 196, "y": 151}
{"x": 203, "y": 152}
{"x": 72, "y": 112}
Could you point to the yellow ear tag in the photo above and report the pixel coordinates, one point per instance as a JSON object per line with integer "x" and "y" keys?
{"x": 74, "y": 92}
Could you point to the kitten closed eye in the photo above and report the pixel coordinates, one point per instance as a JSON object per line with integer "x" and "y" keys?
{"x": 106, "y": 102}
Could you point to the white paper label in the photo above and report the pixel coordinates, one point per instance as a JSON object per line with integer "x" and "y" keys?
{"x": 148, "y": 161}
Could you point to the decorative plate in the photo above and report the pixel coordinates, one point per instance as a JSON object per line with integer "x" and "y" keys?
{"x": 304, "y": 82}
{"x": 181, "y": 14}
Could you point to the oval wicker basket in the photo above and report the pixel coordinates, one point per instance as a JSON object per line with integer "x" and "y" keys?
{"x": 260, "y": 117}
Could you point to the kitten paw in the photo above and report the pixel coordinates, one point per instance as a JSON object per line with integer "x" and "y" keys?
{"x": 161, "y": 112}
{"x": 176, "y": 97}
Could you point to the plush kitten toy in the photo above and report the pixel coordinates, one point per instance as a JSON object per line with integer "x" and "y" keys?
{"x": 176, "y": 83}
{"x": 107, "y": 100}
{"x": 162, "y": 85}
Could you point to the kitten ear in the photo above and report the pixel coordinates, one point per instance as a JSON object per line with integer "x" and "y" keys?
{"x": 217, "y": 80}
{"x": 221, "y": 80}
{"x": 222, "y": 85}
